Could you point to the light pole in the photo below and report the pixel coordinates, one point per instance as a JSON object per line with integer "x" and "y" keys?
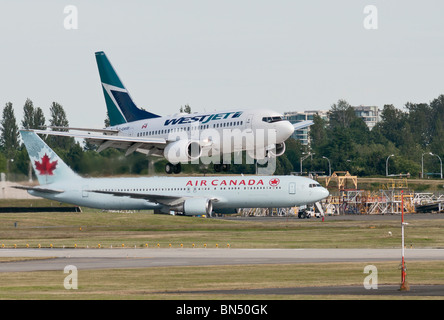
{"x": 422, "y": 163}
{"x": 386, "y": 164}
{"x": 329, "y": 165}
{"x": 440, "y": 161}
{"x": 303, "y": 158}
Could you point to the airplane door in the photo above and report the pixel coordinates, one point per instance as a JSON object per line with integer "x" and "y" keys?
{"x": 292, "y": 188}
{"x": 249, "y": 121}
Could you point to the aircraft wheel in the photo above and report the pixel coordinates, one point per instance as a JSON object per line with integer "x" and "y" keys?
{"x": 217, "y": 167}
{"x": 177, "y": 168}
{"x": 225, "y": 167}
{"x": 169, "y": 168}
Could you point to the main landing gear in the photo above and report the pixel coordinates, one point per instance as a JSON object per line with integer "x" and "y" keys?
{"x": 173, "y": 168}
{"x": 221, "y": 167}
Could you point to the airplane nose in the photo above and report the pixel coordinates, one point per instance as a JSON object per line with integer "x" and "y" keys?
{"x": 285, "y": 130}
{"x": 324, "y": 193}
{"x": 321, "y": 193}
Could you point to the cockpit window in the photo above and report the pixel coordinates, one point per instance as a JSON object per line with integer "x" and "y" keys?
{"x": 272, "y": 119}
{"x": 314, "y": 185}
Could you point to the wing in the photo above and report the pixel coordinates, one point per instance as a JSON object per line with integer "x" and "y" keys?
{"x": 106, "y": 131}
{"x": 166, "y": 200}
{"x": 161, "y": 199}
{"x": 302, "y": 124}
{"x": 104, "y": 141}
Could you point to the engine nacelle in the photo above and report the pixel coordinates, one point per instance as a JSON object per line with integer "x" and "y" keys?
{"x": 182, "y": 151}
{"x": 196, "y": 206}
{"x": 278, "y": 150}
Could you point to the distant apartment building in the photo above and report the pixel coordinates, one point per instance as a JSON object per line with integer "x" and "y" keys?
{"x": 297, "y": 116}
{"x": 370, "y": 115}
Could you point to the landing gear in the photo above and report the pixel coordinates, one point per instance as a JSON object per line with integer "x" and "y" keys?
{"x": 173, "y": 168}
{"x": 221, "y": 167}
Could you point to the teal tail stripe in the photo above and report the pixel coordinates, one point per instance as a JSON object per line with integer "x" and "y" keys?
{"x": 120, "y": 106}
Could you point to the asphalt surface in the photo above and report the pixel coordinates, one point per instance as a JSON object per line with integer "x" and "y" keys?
{"x": 84, "y": 259}
{"x": 57, "y": 259}
{"x": 384, "y": 290}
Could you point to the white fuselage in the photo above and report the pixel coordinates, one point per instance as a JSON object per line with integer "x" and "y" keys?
{"x": 224, "y": 132}
{"x": 223, "y": 191}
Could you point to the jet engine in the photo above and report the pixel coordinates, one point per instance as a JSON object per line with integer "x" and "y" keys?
{"x": 278, "y": 150}
{"x": 182, "y": 151}
{"x": 197, "y": 206}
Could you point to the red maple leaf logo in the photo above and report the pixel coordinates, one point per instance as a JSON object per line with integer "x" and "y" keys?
{"x": 46, "y": 167}
{"x": 274, "y": 182}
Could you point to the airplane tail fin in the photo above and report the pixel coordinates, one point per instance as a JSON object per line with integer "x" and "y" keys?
{"x": 48, "y": 166}
{"x": 120, "y": 106}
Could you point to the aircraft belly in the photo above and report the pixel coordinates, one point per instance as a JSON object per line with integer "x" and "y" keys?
{"x": 104, "y": 202}
{"x": 241, "y": 200}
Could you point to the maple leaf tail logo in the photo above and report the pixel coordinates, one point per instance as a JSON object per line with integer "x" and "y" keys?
{"x": 45, "y": 166}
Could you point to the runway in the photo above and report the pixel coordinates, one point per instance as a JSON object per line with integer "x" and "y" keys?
{"x": 382, "y": 290}
{"x": 57, "y": 259}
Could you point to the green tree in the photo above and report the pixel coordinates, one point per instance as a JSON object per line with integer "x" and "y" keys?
{"x": 437, "y": 143}
{"x": 419, "y": 117}
{"x": 74, "y": 157}
{"x": 39, "y": 118}
{"x": 28, "y": 115}
{"x": 293, "y": 152}
{"x": 341, "y": 115}
{"x": 437, "y": 126}
{"x": 392, "y": 122}
{"x": 33, "y": 118}
{"x": 9, "y": 138}
{"x": 59, "y": 119}
{"x": 319, "y": 133}
{"x": 186, "y": 109}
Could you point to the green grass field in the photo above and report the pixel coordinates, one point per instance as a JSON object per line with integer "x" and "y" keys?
{"x": 93, "y": 227}
{"x": 166, "y": 283}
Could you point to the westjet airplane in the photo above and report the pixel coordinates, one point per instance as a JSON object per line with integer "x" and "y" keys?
{"x": 182, "y": 138}
{"x": 186, "y": 195}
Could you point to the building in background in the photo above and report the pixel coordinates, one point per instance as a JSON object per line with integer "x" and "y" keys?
{"x": 370, "y": 115}
{"x": 298, "y": 116}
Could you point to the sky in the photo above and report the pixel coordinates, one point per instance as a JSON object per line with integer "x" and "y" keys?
{"x": 284, "y": 55}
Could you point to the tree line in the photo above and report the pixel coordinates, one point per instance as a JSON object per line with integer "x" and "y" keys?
{"x": 409, "y": 135}
{"x": 344, "y": 139}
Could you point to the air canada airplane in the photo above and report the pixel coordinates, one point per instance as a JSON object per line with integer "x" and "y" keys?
{"x": 185, "y": 195}
{"x": 182, "y": 137}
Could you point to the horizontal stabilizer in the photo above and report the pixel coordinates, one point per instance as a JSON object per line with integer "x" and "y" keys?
{"x": 39, "y": 189}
